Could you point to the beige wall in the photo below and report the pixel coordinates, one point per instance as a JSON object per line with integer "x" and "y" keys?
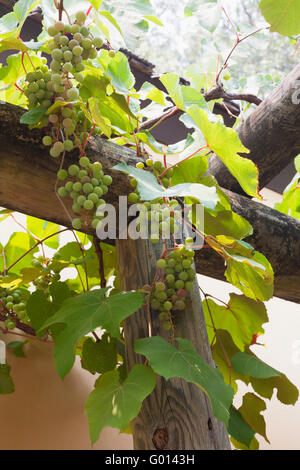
{"x": 45, "y": 412}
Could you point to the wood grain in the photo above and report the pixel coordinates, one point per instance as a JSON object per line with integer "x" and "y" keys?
{"x": 177, "y": 415}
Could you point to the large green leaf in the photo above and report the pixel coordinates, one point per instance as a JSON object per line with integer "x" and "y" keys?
{"x": 42, "y": 229}
{"x": 238, "y": 428}
{"x": 99, "y": 356}
{"x": 98, "y": 119}
{"x": 18, "y": 244}
{"x": 251, "y": 412}
{"x": 182, "y": 95}
{"x": 38, "y": 309}
{"x": 84, "y": 313}
{"x": 290, "y": 204}
{"x": 250, "y": 365}
{"x": 242, "y": 318}
{"x": 185, "y": 362}
{"x": 226, "y": 143}
{"x": 283, "y": 16}
{"x": 114, "y": 404}
{"x": 122, "y": 79}
{"x": 190, "y": 171}
{"x": 150, "y": 190}
{"x": 6, "y": 383}
{"x": 287, "y": 392}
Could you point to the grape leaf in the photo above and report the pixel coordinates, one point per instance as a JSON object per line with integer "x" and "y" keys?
{"x": 6, "y": 382}
{"x": 149, "y": 188}
{"x": 115, "y": 405}
{"x": 290, "y": 204}
{"x": 226, "y": 143}
{"x": 242, "y": 318}
{"x": 122, "y": 79}
{"x": 38, "y": 309}
{"x": 185, "y": 362}
{"x": 84, "y": 313}
{"x": 99, "y": 356}
{"x": 282, "y": 16}
{"x": 33, "y": 116}
{"x": 182, "y": 95}
{"x": 251, "y": 413}
{"x": 42, "y": 229}
{"x": 12, "y": 23}
{"x": 238, "y": 428}
{"x": 250, "y": 365}
{"x": 18, "y": 244}
{"x": 287, "y": 392}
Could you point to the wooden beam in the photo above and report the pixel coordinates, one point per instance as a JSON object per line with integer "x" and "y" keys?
{"x": 27, "y": 183}
{"x": 271, "y": 133}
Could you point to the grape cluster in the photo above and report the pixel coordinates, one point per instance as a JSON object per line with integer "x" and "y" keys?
{"x": 13, "y": 301}
{"x": 170, "y": 293}
{"x": 70, "y": 46}
{"x": 86, "y": 184}
{"x": 48, "y": 274}
{"x": 165, "y": 212}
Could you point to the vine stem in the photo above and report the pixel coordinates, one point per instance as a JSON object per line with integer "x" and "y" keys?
{"x": 186, "y": 158}
{"x": 99, "y": 253}
{"x": 6, "y": 331}
{"x": 33, "y": 247}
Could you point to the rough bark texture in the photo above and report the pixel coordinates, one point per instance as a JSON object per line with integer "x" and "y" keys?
{"x": 177, "y": 415}
{"x": 271, "y": 133}
{"x": 28, "y": 177}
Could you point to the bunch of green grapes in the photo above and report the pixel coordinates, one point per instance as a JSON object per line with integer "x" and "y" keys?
{"x": 48, "y": 274}
{"x": 166, "y": 212}
{"x": 170, "y": 293}
{"x": 70, "y": 46}
{"x": 86, "y": 184}
{"x": 13, "y": 301}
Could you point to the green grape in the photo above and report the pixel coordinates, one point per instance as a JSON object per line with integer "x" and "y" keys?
{"x": 36, "y": 263}
{"x": 87, "y": 188}
{"x": 68, "y": 56}
{"x": 75, "y": 28}
{"x": 161, "y": 296}
{"x": 161, "y": 263}
{"x": 81, "y": 200}
{"x": 72, "y": 94}
{"x": 93, "y": 197}
{"x": 179, "y": 284}
{"x": 78, "y": 37}
{"x": 88, "y": 205}
{"x": 38, "y": 74}
{"x": 62, "y": 175}
{"x": 33, "y": 87}
{"x": 111, "y": 53}
{"x": 68, "y": 145}
{"x": 82, "y": 173}
{"x": 9, "y": 324}
{"x": 79, "y": 67}
{"x": 85, "y": 179}
{"x": 52, "y": 31}
{"x": 97, "y": 190}
{"x": 77, "y": 186}
{"x": 56, "y": 54}
{"x": 140, "y": 165}
{"x": 107, "y": 180}
{"x": 58, "y": 147}
{"x": 74, "y": 195}
{"x": 41, "y": 83}
{"x": 97, "y": 42}
{"x": 170, "y": 278}
{"x": 76, "y": 224}
{"x": 183, "y": 276}
{"x": 77, "y": 51}
{"x": 79, "y": 77}
{"x": 104, "y": 188}
{"x": 84, "y": 31}
{"x": 186, "y": 263}
{"x": 189, "y": 285}
{"x": 157, "y": 165}
{"x": 53, "y": 118}
{"x": 63, "y": 40}
{"x": 67, "y": 123}
{"x": 165, "y": 182}
{"x": 160, "y": 286}
{"x": 67, "y": 67}
{"x": 73, "y": 43}
{"x": 73, "y": 170}
{"x": 167, "y": 305}
{"x": 54, "y": 153}
{"x": 133, "y": 198}
{"x": 69, "y": 185}
{"x": 86, "y": 43}
{"x": 84, "y": 162}
{"x": 55, "y": 66}
{"x": 62, "y": 192}
{"x": 47, "y": 140}
{"x": 80, "y": 17}
{"x": 95, "y": 223}
{"x": 59, "y": 26}
{"x": 155, "y": 304}
{"x": 189, "y": 241}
